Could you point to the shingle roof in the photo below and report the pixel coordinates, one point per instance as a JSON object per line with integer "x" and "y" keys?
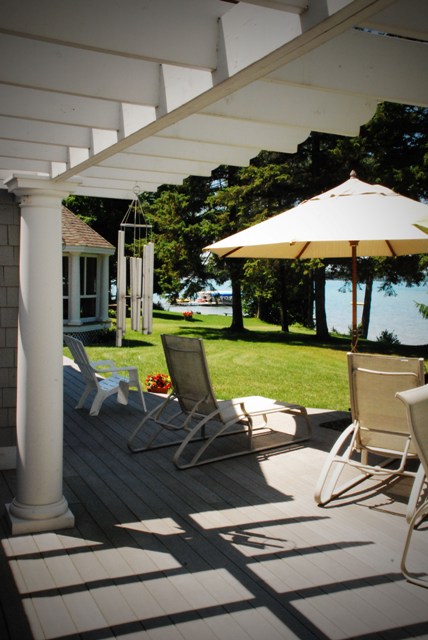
{"x": 77, "y": 233}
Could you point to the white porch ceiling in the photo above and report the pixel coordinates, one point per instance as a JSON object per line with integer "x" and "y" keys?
{"x": 113, "y": 94}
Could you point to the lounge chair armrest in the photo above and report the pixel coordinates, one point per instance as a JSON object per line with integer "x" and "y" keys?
{"x": 256, "y": 405}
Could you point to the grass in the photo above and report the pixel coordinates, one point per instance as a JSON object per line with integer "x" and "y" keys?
{"x": 293, "y": 367}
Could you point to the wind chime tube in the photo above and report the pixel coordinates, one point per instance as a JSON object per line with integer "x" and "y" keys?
{"x": 148, "y": 267}
{"x": 136, "y": 285}
{"x": 133, "y": 292}
{"x": 150, "y": 286}
{"x": 121, "y": 289}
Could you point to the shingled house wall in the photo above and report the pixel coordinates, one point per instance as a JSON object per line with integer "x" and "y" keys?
{"x": 9, "y": 294}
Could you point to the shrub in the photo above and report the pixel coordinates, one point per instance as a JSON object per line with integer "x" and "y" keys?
{"x": 388, "y": 337}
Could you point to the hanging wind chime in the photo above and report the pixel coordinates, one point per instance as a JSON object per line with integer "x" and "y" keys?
{"x": 137, "y": 270}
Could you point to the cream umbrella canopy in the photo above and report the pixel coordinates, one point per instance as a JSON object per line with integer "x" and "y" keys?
{"x": 422, "y": 225}
{"x": 353, "y": 219}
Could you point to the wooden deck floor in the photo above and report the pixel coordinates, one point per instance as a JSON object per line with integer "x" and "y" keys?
{"x": 235, "y": 550}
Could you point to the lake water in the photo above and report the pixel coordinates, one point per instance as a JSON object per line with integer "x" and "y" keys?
{"x": 396, "y": 314}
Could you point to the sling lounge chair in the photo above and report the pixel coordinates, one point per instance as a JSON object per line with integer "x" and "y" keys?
{"x": 416, "y": 403}
{"x": 93, "y": 375}
{"x": 193, "y": 410}
{"x": 378, "y": 442}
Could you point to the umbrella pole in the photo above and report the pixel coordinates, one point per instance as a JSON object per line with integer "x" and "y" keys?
{"x": 354, "y": 245}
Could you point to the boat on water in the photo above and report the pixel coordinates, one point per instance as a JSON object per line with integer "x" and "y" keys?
{"x": 208, "y": 298}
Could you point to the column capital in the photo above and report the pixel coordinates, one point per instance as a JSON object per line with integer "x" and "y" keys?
{"x": 22, "y": 185}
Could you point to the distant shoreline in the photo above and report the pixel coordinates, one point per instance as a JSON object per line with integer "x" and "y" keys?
{"x": 397, "y": 314}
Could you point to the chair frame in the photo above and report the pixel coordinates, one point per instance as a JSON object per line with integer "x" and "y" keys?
{"x": 194, "y": 413}
{"x": 416, "y": 404}
{"x": 94, "y": 372}
{"x": 378, "y": 427}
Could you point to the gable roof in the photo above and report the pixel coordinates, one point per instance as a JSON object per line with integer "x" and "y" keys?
{"x": 77, "y": 233}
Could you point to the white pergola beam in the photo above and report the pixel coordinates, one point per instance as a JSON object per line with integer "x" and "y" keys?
{"x": 408, "y": 18}
{"x": 304, "y": 108}
{"x": 248, "y": 33}
{"x": 194, "y": 150}
{"x": 163, "y": 31}
{"x": 122, "y": 185}
{"x": 252, "y": 39}
{"x": 291, "y": 6}
{"x": 112, "y": 191}
{"x": 316, "y": 29}
{"x": 134, "y": 117}
{"x": 105, "y": 75}
{"x": 8, "y": 165}
{"x": 18, "y": 149}
{"x": 61, "y": 108}
{"x": 360, "y": 63}
{"x": 159, "y": 163}
{"x": 240, "y": 132}
{"x": 276, "y": 77}
{"x": 21, "y": 129}
{"x": 180, "y": 85}
{"x": 124, "y": 175}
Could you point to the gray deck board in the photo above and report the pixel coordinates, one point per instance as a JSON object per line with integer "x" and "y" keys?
{"x": 233, "y": 550}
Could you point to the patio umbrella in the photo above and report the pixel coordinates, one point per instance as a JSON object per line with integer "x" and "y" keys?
{"x": 422, "y": 225}
{"x": 353, "y": 219}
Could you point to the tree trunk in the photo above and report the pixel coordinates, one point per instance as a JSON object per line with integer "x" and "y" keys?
{"x": 320, "y": 315}
{"x": 310, "y": 301}
{"x": 283, "y": 309}
{"x": 263, "y": 309}
{"x": 365, "y": 319}
{"x": 235, "y": 268}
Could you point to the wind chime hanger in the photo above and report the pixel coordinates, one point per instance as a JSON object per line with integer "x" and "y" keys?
{"x": 135, "y": 214}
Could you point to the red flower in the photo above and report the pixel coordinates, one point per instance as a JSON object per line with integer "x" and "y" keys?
{"x": 159, "y": 381}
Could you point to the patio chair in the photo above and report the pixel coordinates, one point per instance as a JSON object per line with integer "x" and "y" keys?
{"x": 93, "y": 375}
{"x": 193, "y": 410}
{"x": 416, "y": 403}
{"x": 378, "y": 442}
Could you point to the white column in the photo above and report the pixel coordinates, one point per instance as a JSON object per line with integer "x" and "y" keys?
{"x": 39, "y": 504}
{"x": 74, "y": 290}
{"x": 104, "y": 288}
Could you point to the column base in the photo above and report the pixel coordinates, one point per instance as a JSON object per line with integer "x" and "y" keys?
{"x": 21, "y": 526}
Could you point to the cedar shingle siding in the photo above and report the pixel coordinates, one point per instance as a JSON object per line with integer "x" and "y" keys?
{"x": 9, "y": 293}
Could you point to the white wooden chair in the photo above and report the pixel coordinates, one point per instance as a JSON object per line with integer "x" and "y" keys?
{"x": 378, "y": 442}
{"x": 416, "y": 403}
{"x": 94, "y": 373}
{"x": 193, "y": 410}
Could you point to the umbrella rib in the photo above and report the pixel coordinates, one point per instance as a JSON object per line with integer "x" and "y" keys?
{"x": 388, "y": 244}
{"x": 299, "y": 255}
{"x": 229, "y": 253}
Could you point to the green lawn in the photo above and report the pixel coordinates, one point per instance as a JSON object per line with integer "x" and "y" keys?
{"x": 294, "y": 367}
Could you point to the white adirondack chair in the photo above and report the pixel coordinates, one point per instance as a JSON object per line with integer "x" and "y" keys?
{"x": 93, "y": 374}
